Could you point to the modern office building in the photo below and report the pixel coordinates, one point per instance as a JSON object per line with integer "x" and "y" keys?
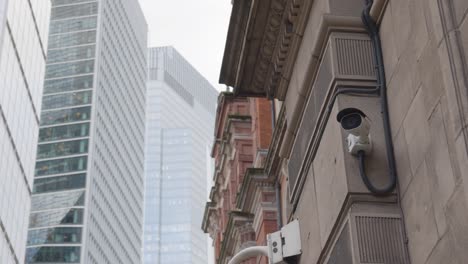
{"x": 23, "y": 38}
{"x": 181, "y": 107}
{"x": 87, "y": 202}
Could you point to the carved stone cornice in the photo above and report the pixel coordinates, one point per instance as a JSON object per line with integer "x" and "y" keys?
{"x": 254, "y": 180}
{"x": 258, "y": 46}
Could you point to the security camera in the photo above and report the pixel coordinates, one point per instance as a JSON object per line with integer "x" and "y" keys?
{"x": 357, "y": 125}
{"x": 285, "y": 243}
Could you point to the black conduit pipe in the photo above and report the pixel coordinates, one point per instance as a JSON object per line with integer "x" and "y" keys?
{"x": 373, "y": 31}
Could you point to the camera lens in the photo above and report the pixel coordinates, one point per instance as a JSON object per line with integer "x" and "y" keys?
{"x": 351, "y": 121}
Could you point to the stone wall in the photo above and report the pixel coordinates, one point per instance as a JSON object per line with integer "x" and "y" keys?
{"x": 425, "y": 43}
{"x": 426, "y": 122}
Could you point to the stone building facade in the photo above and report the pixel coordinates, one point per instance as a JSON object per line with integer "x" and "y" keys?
{"x": 308, "y": 57}
{"x": 238, "y": 217}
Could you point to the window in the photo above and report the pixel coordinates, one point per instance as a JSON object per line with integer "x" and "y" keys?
{"x": 65, "y": 116}
{"x": 50, "y": 167}
{"x": 70, "y": 54}
{"x": 63, "y": 132}
{"x": 72, "y": 39}
{"x": 62, "y": 183}
{"x": 70, "y": 25}
{"x": 57, "y": 200}
{"x": 56, "y": 217}
{"x": 53, "y": 254}
{"x": 66, "y": 100}
{"x": 62, "y": 149}
{"x": 59, "y": 235}
{"x": 68, "y": 84}
{"x": 74, "y": 11}
{"x": 71, "y": 68}
{"x": 67, "y": 2}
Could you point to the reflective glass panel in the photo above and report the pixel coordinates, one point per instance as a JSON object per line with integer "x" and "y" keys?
{"x": 74, "y": 11}
{"x": 65, "y": 116}
{"x": 56, "y": 217}
{"x": 68, "y": 84}
{"x": 67, "y": 2}
{"x": 58, "y": 235}
{"x": 53, "y": 254}
{"x": 70, "y": 68}
{"x": 63, "y": 132}
{"x": 72, "y": 39}
{"x": 70, "y": 54}
{"x": 59, "y": 149}
{"x": 70, "y": 25}
{"x": 58, "y": 166}
{"x": 62, "y": 183}
{"x": 57, "y": 200}
{"x": 66, "y": 100}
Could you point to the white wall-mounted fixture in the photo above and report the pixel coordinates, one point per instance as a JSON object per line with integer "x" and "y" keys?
{"x": 280, "y": 245}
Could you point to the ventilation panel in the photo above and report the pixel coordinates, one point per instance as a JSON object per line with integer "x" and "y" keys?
{"x": 368, "y": 238}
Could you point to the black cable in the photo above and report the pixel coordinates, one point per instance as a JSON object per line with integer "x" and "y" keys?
{"x": 365, "y": 179}
{"x": 382, "y": 85}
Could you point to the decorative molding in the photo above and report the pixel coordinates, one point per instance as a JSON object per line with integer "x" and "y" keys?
{"x": 238, "y": 221}
{"x": 267, "y": 30}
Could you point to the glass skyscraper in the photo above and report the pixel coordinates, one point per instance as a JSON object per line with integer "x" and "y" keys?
{"x": 23, "y": 38}
{"x": 87, "y": 201}
{"x": 181, "y": 107}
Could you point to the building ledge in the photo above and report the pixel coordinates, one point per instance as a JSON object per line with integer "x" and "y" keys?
{"x": 257, "y": 52}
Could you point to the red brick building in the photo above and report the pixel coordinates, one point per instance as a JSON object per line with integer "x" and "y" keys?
{"x": 242, "y": 207}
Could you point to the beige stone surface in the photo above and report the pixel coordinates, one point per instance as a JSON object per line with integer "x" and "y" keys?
{"x": 439, "y": 169}
{"x": 309, "y": 221}
{"x": 433, "y": 20}
{"x": 430, "y": 76}
{"x": 419, "y": 32}
{"x": 400, "y": 95}
{"x": 402, "y": 21}
{"x": 462, "y": 158}
{"x": 389, "y": 48}
{"x": 419, "y": 217}
{"x": 451, "y": 140}
{"x": 402, "y": 161}
{"x": 330, "y": 178}
{"x": 417, "y": 132}
{"x": 457, "y": 218}
{"x": 444, "y": 252}
{"x": 460, "y": 8}
{"x": 464, "y": 35}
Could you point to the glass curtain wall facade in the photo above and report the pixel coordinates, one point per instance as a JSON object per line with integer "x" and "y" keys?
{"x": 88, "y": 188}
{"x": 23, "y": 38}
{"x": 181, "y": 107}
{"x": 57, "y": 213}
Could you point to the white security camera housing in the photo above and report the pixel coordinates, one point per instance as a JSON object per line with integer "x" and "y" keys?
{"x": 357, "y": 125}
{"x": 284, "y": 243}
{"x": 281, "y": 245}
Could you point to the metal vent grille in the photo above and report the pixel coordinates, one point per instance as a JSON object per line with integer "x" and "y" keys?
{"x": 380, "y": 240}
{"x": 355, "y": 57}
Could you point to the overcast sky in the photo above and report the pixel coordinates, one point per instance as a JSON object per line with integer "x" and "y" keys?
{"x": 196, "y": 28}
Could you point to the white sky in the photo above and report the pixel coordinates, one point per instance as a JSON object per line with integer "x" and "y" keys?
{"x": 196, "y": 28}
